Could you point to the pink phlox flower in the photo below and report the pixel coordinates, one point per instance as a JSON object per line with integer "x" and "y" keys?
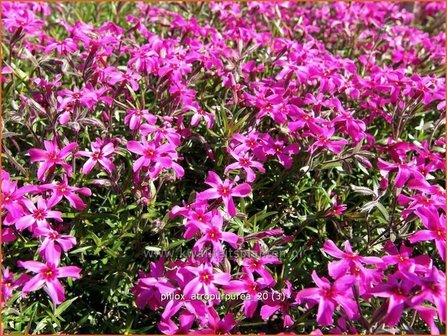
{"x": 64, "y": 47}
{"x": 402, "y": 258}
{"x": 213, "y": 235}
{"x": 432, "y": 289}
{"x": 62, "y": 190}
{"x": 279, "y": 301}
{"x": 37, "y": 215}
{"x": 205, "y": 280}
{"x": 152, "y": 285}
{"x": 224, "y": 190}
{"x": 329, "y": 296}
{"x": 217, "y": 326}
{"x": 347, "y": 258}
{"x": 101, "y": 153}
{"x": 8, "y": 283}
{"x": 51, "y": 157}
{"x": 12, "y": 198}
{"x": 160, "y": 133}
{"x": 134, "y": 117}
{"x": 281, "y": 150}
{"x": 323, "y": 137}
{"x": 48, "y": 276}
{"x": 199, "y": 114}
{"x": 397, "y": 290}
{"x": 155, "y": 156}
{"x": 129, "y": 77}
{"x": 435, "y": 229}
{"x": 245, "y": 161}
{"x": 420, "y": 200}
{"x": 169, "y": 327}
{"x": 247, "y": 284}
{"x": 52, "y": 242}
{"x": 257, "y": 264}
{"x": 405, "y": 171}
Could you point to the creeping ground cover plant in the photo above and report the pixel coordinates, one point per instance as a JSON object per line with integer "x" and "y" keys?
{"x": 223, "y": 167}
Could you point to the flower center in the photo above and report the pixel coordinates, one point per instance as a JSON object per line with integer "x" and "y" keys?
{"x": 327, "y": 292}
{"x": 214, "y": 234}
{"x": 224, "y": 191}
{"x": 255, "y": 264}
{"x": 150, "y": 153}
{"x": 76, "y": 95}
{"x": 49, "y": 273}
{"x": 244, "y": 162}
{"x": 39, "y": 214}
{"x": 205, "y": 277}
{"x": 434, "y": 288}
{"x": 54, "y": 235}
{"x": 96, "y": 155}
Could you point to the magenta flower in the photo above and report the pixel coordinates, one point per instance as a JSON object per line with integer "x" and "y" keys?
{"x": 195, "y": 214}
{"x": 404, "y": 172}
{"x": 155, "y": 156}
{"x": 83, "y": 96}
{"x": 53, "y": 242}
{"x": 329, "y": 296}
{"x": 257, "y": 265}
{"x": 402, "y": 258}
{"x": 324, "y": 140}
{"x": 279, "y": 301}
{"x": 217, "y": 326}
{"x": 8, "y": 235}
{"x": 348, "y": 258}
{"x": 199, "y": 114}
{"x": 282, "y": 151}
{"x": 37, "y": 215}
{"x": 51, "y": 156}
{"x": 247, "y": 284}
{"x": 224, "y": 190}
{"x": 9, "y": 284}
{"x": 125, "y": 78}
{"x": 48, "y": 276}
{"x": 161, "y": 133}
{"x": 134, "y": 116}
{"x": 397, "y": 290}
{"x": 245, "y": 162}
{"x": 213, "y": 234}
{"x": 62, "y": 190}
{"x": 432, "y": 289}
{"x": 150, "y": 285}
{"x": 12, "y": 198}
{"x": 435, "y": 229}
{"x": 168, "y": 327}
{"x": 100, "y": 153}
{"x": 64, "y": 47}
{"x": 205, "y": 280}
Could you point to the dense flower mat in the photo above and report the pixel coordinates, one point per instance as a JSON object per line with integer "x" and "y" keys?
{"x": 223, "y": 167}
